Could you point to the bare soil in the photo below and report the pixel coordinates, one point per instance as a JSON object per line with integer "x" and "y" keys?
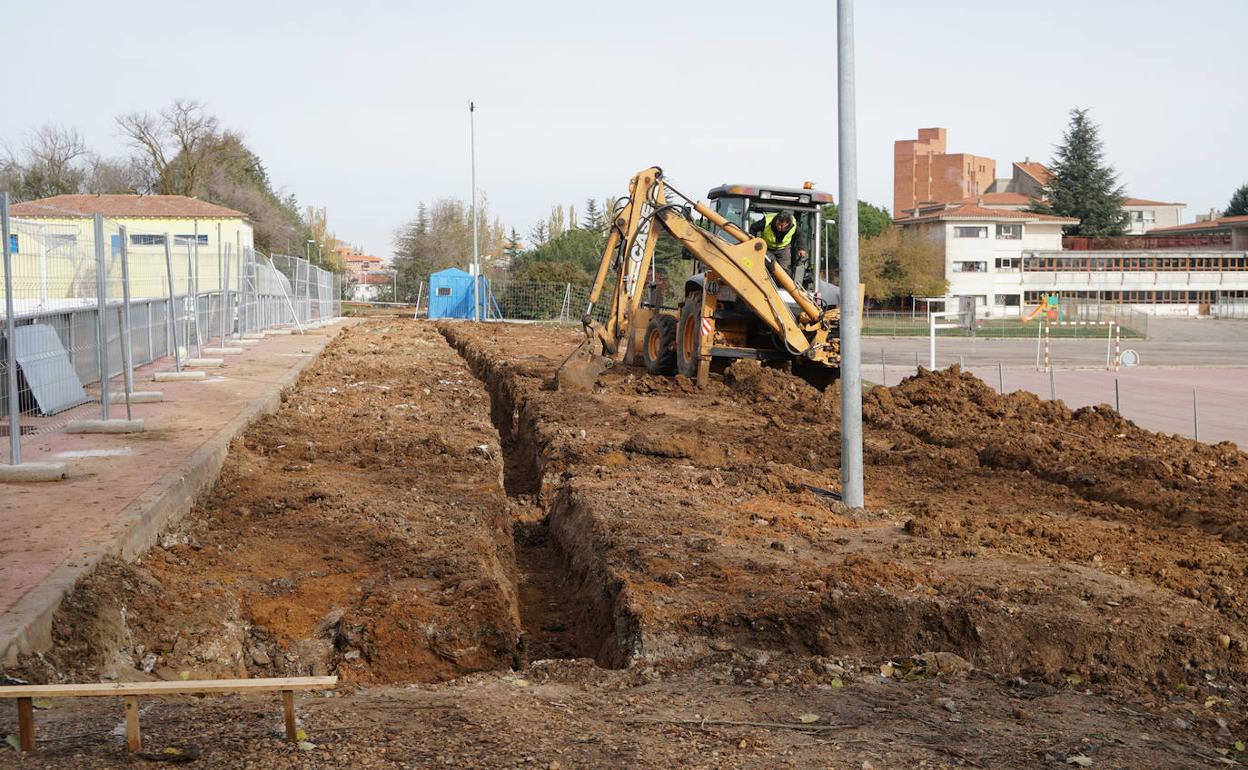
{"x": 656, "y": 575}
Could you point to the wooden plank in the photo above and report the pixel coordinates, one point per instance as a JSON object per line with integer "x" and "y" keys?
{"x": 189, "y": 687}
{"x": 26, "y": 723}
{"x": 133, "y": 741}
{"x": 288, "y": 706}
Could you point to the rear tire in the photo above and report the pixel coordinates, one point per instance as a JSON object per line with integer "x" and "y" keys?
{"x": 688, "y": 335}
{"x": 658, "y": 349}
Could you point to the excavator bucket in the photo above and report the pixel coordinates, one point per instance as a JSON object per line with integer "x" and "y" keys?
{"x": 580, "y": 370}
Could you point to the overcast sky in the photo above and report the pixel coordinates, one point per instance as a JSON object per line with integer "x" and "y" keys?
{"x": 361, "y": 106}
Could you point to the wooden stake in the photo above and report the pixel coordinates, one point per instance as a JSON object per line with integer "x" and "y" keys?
{"x": 288, "y": 705}
{"x": 133, "y": 741}
{"x": 26, "y": 723}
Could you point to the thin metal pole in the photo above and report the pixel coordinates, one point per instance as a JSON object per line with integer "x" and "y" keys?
{"x": 916, "y": 362}
{"x": 127, "y": 355}
{"x": 961, "y": 362}
{"x": 931, "y": 332}
{"x": 227, "y": 308}
{"x": 1000, "y": 379}
{"x": 221, "y": 283}
{"x": 476, "y": 263}
{"x": 173, "y": 324}
{"x": 199, "y": 337}
{"x": 851, "y": 313}
{"x": 10, "y": 347}
{"x": 1052, "y": 385}
{"x": 101, "y": 301}
{"x": 1117, "y": 398}
{"x": 883, "y": 369}
{"x": 1195, "y": 417}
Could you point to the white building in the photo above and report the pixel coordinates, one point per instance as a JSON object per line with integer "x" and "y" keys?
{"x": 1148, "y": 215}
{"x": 1007, "y": 259}
{"x": 984, "y": 250}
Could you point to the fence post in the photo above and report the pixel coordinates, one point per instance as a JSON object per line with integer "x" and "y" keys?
{"x": 10, "y": 347}
{"x": 221, "y": 284}
{"x": 1117, "y": 398}
{"x": 1000, "y": 379}
{"x": 1052, "y": 385}
{"x": 883, "y": 369}
{"x": 227, "y": 309}
{"x": 173, "y": 323}
{"x": 101, "y": 325}
{"x": 194, "y": 298}
{"x": 127, "y": 360}
{"x": 1195, "y": 417}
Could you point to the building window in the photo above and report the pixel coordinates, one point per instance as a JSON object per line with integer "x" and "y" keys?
{"x": 143, "y": 239}
{"x": 970, "y": 267}
{"x": 1009, "y": 300}
{"x": 1009, "y": 232}
{"x": 183, "y": 240}
{"x": 970, "y": 232}
{"x": 444, "y": 291}
{"x": 1008, "y": 264}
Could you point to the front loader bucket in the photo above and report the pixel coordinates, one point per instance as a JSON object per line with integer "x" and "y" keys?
{"x": 580, "y": 370}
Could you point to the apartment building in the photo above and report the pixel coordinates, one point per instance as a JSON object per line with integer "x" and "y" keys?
{"x": 923, "y": 172}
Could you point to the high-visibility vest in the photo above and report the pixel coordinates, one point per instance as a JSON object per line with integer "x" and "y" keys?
{"x": 769, "y": 236}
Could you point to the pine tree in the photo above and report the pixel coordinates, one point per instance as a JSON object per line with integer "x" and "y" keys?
{"x": 593, "y": 216}
{"x": 538, "y": 233}
{"x": 513, "y": 246}
{"x": 1084, "y": 186}
{"x": 1238, "y": 206}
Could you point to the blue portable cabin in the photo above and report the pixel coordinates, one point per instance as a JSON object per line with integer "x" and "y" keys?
{"x": 450, "y": 294}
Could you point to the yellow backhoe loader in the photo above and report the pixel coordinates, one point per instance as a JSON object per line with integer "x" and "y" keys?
{"x": 739, "y": 303}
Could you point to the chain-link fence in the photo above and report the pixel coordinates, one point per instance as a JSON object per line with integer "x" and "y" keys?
{"x": 86, "y": 300}
{"x": 1071, "y": 318}
{"x": 508, "y": 300}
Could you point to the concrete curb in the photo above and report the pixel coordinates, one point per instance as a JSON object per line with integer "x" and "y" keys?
{"x": 27, "y": 625}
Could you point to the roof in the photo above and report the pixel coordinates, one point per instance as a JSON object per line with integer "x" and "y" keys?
{"x": 997, "y": 199}
{"x": 1037, "y": 171}
{"x": 361, "y": 258}
{"x": 1213, "y": 224}
{"x": 124, "y": 206}
{"x": 1142, "y": 202}
{"x": 972, "y": 212}
{"x": 789, "y": 194}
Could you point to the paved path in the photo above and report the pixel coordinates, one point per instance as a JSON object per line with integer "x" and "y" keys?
{"x": 53, "y": 526}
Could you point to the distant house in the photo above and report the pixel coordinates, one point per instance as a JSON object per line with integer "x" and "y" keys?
{"x": 1147, "y": 216}
{"x": 53, "y": 240}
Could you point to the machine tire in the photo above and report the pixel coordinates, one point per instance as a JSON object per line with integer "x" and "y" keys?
{"x": 688, "y": 332}
{"x": 658, "y": 350}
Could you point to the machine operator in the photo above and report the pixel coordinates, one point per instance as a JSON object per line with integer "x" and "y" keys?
{"x": 780, "y": 232}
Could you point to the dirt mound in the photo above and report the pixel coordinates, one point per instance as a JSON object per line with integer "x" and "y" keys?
{"x": 1093, "y": 451}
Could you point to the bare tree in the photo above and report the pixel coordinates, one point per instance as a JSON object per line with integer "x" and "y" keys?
{"x": 51, "y": 162}
{"x": 114, "y": 175}
{"x": 175, "y": 145}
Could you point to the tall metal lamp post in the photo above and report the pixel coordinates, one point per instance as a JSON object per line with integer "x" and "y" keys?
{"x": 476, "y": 262}
{"x": 851, "y": 308}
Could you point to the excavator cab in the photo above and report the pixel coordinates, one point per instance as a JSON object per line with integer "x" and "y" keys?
{"x": 743, "y": 205}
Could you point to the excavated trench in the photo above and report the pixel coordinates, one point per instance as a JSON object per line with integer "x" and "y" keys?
{"x": 569, "y": 604}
